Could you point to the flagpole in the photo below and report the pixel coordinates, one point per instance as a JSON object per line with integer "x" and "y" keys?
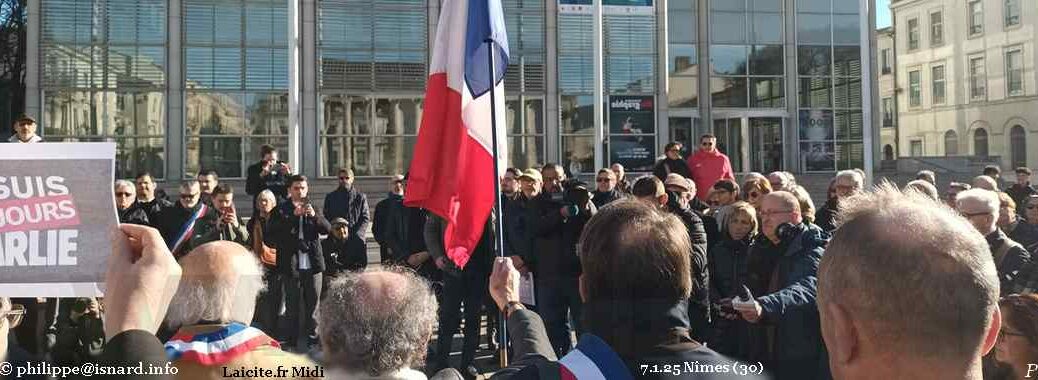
{"x": 499, "y": 242}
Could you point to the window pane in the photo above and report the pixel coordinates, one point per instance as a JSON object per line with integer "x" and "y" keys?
{"x": 728, "y": 92}
{"x": 849, "y": 155}
{"x": 937, "y": 76}
{"x": 222, "y": 154}
{"x": 847, "y": 60}
{"x": 70, "y": 113}
{"x": 849, "y": 125}
{"x": 578, "y": 154}
{"x": 215, "y": 113}
{"x": 526, "y": 151}
{"x": 767, "y": 60}
{"x": 727, "y": 27}
{"x": 814, "y": 60}
{"x": 847, "y": 93}
{"x": 345, "y": 115}
{"x": 577, "y": 114}
{"x": 139, "y": 114}
{"x": 681, "y": 26}
{"x": 684, "y": 92}
{"x": 815, "y": 92}
{"x": 728, "y": 59}
{"x": 766, "y": 28}
{"x": 820, "y": 6}
{"x": 391, "y": 155}
{"x": 765, "y": 6}
{"x": 683, "y": 59}
{"x": 767, "y": 92}
{"x": 815, "y": 157}
{"x": 397, "y": 116}
{"x": 814, "y": 29}
{"x": 267, "y": 114}
{"x": 533, "y": 117}
{"x": 349, "y": 152}
{"x": 846, "y": 29}
{"x": 136, "y": 155}
{"x": 914, "y": 90}
{"x": 253, "y": 144}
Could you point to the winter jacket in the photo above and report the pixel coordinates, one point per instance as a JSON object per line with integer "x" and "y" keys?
{"x": 211, "y": 230}
{"x": 1019, "y": 193}
{"x": 554, "y": 237}
{"x": 708, "y": 168}
{"x": 173, "y": 220}
{"x": 825, "y": 218}
{"x": 352, "y": 205}
{"x": 603, "y": 198}
{"x": 480, "y": 263}
{"x": 135, "y": 214}
{"x": 728, "y": 273}
{"x": 699, "y": 303}
{"x": 1024, "y": 233}
{"x": 1010, "y": 257}
{"x": 276, "y": 181}
{"x": 154, "y": 208}
{"x": 390, "y": 225}
{"x": 518, "y": 241}
{"x": 283, "y": 233}
{"x": 339, "y": 258}
{"x": 784, "y": 280}
{"x": 667, "y": 166}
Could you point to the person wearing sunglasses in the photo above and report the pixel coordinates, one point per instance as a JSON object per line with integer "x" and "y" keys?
{"x": 1031, "y": 210}
{"x": 351, "y": 204}
{"x": 173, "y": 221}
{"x": 126, "y": 205}
{"x": 846, "y": 184}
{"x": 605, "y": 188}
{"x": 1014, "y": 227}
{"x": 671, "y": 163}
{"x": 708, "y": 166}
{"x": 1022, "y": 188}
{"x": 981, "y": 208}
{"x": 1016, "y": 351}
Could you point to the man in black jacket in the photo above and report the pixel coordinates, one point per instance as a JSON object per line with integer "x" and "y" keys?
{"x": 672, "y": 163}
{"x": 389, "y": 223}
{"x": 1015, "y": 227}
{"x": 176, "y": 223}
{"x": 556, "y": 219}
{"x": 460, "y": 286}
{"x": 635, "y": 286}
{"x": 126, "y": 204}
{"x": 846, "y": 184}
{"x": 605, "y": 188}
{"x": 1022, "y": 188}
{"x": 981, "y": 208}
{"x": 338, "y": 258}
{"x": 268, "y": 174}
{"x": 294, "y": 230}
{"x": 349, "y": 203}
{"x": 147, "y": 198}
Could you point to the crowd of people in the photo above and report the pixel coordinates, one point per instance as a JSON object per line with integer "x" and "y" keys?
{"x": 630, "y": 277}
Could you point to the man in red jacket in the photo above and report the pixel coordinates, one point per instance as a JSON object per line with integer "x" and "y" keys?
{"x": 708, "y": 166}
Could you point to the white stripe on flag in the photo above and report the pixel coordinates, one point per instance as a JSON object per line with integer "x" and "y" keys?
{"x": 217, "y": 346}
{"x": 581, "y": 366}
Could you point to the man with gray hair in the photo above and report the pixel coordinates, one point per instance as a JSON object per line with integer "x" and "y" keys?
{"x": 780, "y": 181}
{"x": 846, "y": 183}
{"x": 924, "y": 187}
{"x": 985, "y": 182}
{"x": 126, "y": 204}
{"x": 981, "y": 207}
{"x": 377, "y": 325}
{"x": 212, "y": 309}
{"x": 928, "y": 176}
{"x": 905, "y": 291}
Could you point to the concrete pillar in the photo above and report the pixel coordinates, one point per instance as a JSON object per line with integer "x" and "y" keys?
{"x": 790, "y": 131}
{"x": 662, "y": 79}
{"x": 703, "y": 47}
{"x": 33, "y": 95}
{"x": 311, "y": 126}
{"x": 294, "y": 77}
{"x": 175, "y": 109}
{"x": 552, "y": 128}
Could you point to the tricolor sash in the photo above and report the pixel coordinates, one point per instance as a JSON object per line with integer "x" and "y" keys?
{"x": 217, "y": 347}
{"x": 593, "y": 359}
{"x": 189, "y": 228}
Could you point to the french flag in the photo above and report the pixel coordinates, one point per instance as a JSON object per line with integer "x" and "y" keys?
{"x": 452, "y": 172}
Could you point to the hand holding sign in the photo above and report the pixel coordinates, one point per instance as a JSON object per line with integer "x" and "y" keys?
{"x": 141, "y": 280}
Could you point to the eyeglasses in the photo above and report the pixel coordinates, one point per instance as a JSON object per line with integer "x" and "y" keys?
{"x": 123, "y": 194}
{"x": 603, "y": 180}
{"x": 188, "y": 196}
{"x": 14, "y": 316}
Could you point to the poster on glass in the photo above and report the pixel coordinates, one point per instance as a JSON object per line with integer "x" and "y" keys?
{"x": 817, "y": 156}
{"x": 635, "y": 153}
{"x": 816, "y": 125}
{"x": 631, "y": 115}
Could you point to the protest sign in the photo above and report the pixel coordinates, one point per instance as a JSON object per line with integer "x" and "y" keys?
{"x": 57, "y": 217}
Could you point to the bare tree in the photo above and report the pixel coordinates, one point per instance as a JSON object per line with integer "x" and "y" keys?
{"x": 12, "y": 61}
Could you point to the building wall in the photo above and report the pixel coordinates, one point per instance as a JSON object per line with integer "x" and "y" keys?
{"x": 886, "y": 121}
{"x": 186, "y": 85}
{"x": 996, "y": 113}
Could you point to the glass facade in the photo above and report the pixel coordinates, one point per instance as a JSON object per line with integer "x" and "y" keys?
{"x": 106, "y": 64}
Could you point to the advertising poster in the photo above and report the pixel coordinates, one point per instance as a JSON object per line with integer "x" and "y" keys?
{"x": 57, "y": 216}
{"x": 631, "y": 115}
{"x": 816, "y": 125}
{"x": 817, "y": 156}
{"x": 635, "y": 153}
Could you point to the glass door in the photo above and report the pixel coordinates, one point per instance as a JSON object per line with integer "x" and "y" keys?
{"x": 729, "y": 140}
{"x": 766, "y": 144}
{"x": 683, "y": 130}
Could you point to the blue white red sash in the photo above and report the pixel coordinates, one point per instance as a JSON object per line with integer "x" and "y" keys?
{"x": 189, "y": 228}
{"x": 593, "y": 359}
{"x": 217, "y": 347}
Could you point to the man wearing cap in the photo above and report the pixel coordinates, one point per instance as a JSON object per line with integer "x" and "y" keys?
{"x": 518, "y": 238}
{"x": 25, "y": 131}
{"x": 349, "y": 203}
{"x": 337, "y": 257}
{"x": 679, "y": 192}
{"x": 1022, "y": 189}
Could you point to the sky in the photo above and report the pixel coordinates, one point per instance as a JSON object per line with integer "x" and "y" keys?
{"x": 882, "y": 13}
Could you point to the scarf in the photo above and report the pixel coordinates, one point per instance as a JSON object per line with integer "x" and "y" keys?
{"x": 593, "y": 359}
{"x": 217, "y": 347}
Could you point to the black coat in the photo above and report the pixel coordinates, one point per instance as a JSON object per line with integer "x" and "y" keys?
{"x": 518, "y": 241}
{"x": 276, "y": 182}
{"x": 130, "y": 348}
{"x": 352, "y": 205}
{"x": 825, "y": 218}
{"x": 1010, "y": 264}
{"x": 480, "y": 263}
{"x": 667, "y": 166}
{"x": 282, "y": 233}
{"x": 728, "y": 273}
{"x": 554, "y": 237}
{"x": 602, "y": 198}
{"x": 154, "y": 208}
{"x": 699, "y": 303}
{"x": 1019, "y": 194}
{"x": 135, "y": 214}
{"x": 172, "y": 220}
{"x": 339, "y": 258}
{"x": 391, "y": 226}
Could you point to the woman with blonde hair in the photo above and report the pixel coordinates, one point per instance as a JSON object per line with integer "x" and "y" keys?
{"x": 727, "y": 261}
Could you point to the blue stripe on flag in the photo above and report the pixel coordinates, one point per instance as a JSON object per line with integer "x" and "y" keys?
{"x": 486, "y": 20}
{"x": 607, "y": 361}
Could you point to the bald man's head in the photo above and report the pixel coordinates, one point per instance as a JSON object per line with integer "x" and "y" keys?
{"x": 220, "y": 283}
{"x": 377, "y": 322}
